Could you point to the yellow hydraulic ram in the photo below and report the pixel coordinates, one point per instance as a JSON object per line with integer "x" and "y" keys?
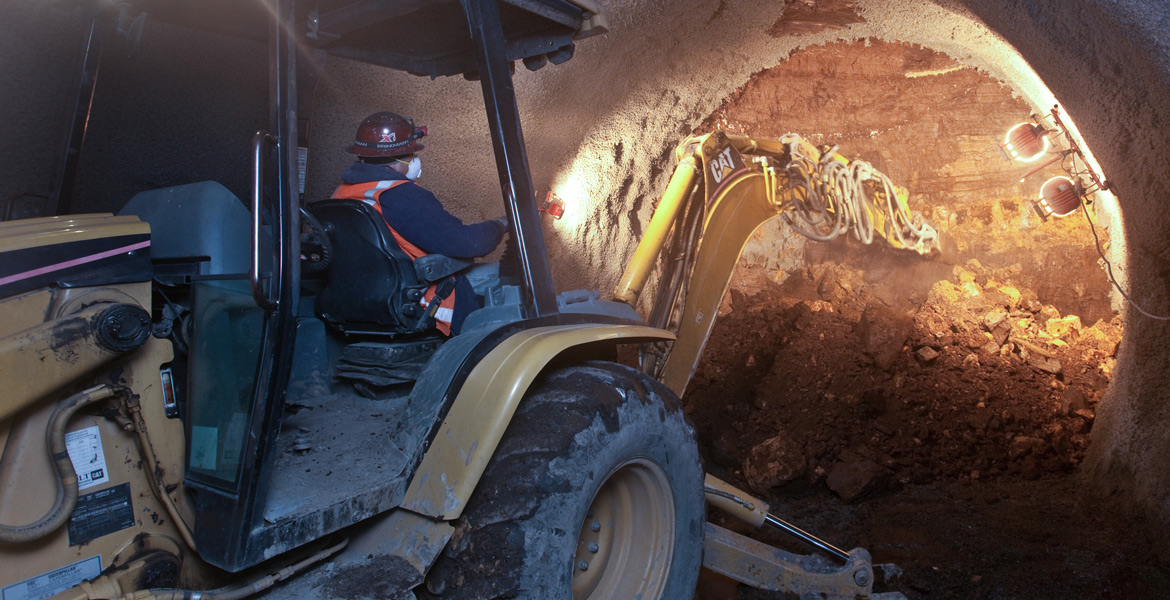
{"x": 660, "y": 225}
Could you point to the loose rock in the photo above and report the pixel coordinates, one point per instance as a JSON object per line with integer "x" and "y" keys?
{"x": 926, "y": 354}
{"x": 774, "y": 462}
{"x": 852, "y": 479}
{"x": 1043, "y": 363}
{"x": 948, "y": 408}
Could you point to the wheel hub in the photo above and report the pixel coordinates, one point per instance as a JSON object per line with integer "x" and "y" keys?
{"x": 625, "y": 545}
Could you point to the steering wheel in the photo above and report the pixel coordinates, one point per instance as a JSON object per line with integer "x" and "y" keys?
{"x": 316, "y": 249}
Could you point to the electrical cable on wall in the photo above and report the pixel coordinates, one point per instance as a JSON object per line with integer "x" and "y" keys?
{"x": 1109, "y": 268}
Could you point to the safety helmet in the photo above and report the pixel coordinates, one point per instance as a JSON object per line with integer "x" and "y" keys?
{"x": 387, "y": 134}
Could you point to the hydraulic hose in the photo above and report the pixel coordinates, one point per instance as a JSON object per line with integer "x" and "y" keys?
{"x": 66, "y": 499}
{"x": 830, "y": 196}
{"x": 157, "y": 485}
{"x": 239, "y": 590}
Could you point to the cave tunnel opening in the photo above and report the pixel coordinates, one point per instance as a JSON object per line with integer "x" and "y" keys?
{"x": 896, "y": 401}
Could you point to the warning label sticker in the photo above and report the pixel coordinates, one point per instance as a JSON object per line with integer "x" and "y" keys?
{"x": 54, "y": 582}
{"x": 85, "y": 451}
{"x": 100, "y": 513}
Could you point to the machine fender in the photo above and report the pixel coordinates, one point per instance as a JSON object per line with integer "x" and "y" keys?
{"x": 483, "y": 408}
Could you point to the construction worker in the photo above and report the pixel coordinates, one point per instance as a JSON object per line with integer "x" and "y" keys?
{"x": 384, "y": 176}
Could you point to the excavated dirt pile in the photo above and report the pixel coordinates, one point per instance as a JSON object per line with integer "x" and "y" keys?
{"x": 843, "y": 379}
{"x": 935, "y": 414}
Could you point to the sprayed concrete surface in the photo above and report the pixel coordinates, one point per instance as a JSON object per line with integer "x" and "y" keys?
{"x": 601, "y": 130}
{"x": 1113, "y": 80}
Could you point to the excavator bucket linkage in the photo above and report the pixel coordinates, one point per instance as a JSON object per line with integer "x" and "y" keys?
{"x": 763, "y": 567}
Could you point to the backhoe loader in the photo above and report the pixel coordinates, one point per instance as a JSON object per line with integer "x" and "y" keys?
{"x": 202, "y": 402}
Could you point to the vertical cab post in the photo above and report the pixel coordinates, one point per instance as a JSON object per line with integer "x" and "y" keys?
{"x": 499, "y": 95}
{"x": 91, "y": 58}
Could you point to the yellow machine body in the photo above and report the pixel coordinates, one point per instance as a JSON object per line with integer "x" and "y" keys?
{"x": 113, "y": 470}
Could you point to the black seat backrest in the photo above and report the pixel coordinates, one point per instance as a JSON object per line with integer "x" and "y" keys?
{"x": 369, "y": 275}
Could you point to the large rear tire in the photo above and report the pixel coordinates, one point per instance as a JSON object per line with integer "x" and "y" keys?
{"x": 595, "y": 492}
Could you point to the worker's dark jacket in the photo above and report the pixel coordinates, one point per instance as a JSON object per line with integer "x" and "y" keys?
{"x": 421, "y": 226}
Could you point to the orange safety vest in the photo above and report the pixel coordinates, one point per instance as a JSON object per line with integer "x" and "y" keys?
{"x": 368, "y": 193}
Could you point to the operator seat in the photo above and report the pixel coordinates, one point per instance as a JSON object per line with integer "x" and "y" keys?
{"x": 370, "y": 280}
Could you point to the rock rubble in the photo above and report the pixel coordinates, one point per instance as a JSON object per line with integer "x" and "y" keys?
{"x": 864, "y": 383}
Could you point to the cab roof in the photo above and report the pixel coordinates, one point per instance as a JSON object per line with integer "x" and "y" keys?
{"x": 425, "y": 37}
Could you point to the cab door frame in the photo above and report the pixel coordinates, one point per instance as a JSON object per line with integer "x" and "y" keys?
{"x": 227, "y": 511}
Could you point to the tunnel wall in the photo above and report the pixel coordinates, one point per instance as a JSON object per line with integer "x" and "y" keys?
{"x": 34, "y": 70}
{"x": 1109, "y": 63}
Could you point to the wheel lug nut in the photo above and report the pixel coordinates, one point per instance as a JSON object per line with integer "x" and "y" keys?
{"x": 595, "y": 526}
{"x": 593, "y": 547}
{"x": 584, "y": 566}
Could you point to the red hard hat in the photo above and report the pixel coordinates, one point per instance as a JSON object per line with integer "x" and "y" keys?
{"x": 387, "y": 134}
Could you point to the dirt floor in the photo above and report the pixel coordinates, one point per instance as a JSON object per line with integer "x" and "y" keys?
{"x": 934, "y": 414}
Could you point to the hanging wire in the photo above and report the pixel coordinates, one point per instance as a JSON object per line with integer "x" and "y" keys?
{"x": 1109, "y": 268}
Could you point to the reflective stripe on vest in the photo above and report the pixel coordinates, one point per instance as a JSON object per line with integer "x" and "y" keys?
{"x": 368, "y": 193}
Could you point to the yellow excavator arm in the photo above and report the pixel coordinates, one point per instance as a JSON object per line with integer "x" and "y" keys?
{"x": 723, "y": 189}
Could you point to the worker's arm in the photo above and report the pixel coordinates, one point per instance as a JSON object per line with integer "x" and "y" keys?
{"x": 419, "y": 217}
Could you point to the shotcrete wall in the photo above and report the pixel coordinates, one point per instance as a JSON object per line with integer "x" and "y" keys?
{"x": 1109, "y": 63}
{"x": 601, "y": 130}
{"x": 33, "y": 105}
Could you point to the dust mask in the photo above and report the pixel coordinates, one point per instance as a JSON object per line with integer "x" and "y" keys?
{"x": 414, "y": 170}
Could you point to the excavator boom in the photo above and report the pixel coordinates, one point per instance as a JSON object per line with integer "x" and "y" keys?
{"x": 723, "y": 189}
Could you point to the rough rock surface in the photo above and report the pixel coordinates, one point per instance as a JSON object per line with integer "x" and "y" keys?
{"x": 941, "y": 459}
{"x": 773, "y": 462}
{"x": 966, "y": 378}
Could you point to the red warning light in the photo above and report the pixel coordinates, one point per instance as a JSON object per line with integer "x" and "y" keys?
{"x": 554, "y": 206}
